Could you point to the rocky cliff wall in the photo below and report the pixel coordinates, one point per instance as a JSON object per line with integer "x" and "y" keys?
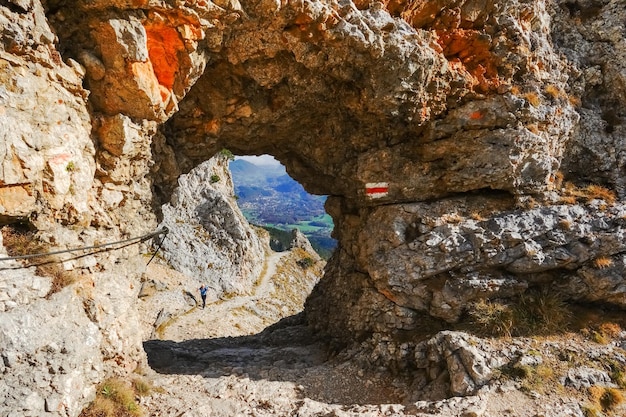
{"x": 492, "y": 133}
{"x": 209, "y": 239}
{"x": 75, "y": 176}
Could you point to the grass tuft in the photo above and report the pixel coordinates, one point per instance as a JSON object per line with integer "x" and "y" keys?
{"x": 591, "y": 411}
{"x": 610, "y": 329}
{"x": 533, "y": 99}
{"x": 617, "y": 371}
{"x": 537, "y": 312}
{"x": 602, "y": 333}
{"x": 454, "y": 218}
{"x": 538, "y": 378}
{"x": 568, "y": 199}
{"x": 552, "y": 91}
{"x": 476, "y": 215}
{"x": 115, "y": 398}
{"x": 305, "y": 262}
{"x": 570, "y": 194}
{"x": 60, "y": 277}
{"x": 575, "y": 101}
{"x": 492, "y": 318}
{"x": 618, "y": 376}
{"x": 607, "y": 398}
{"x": 541, "y": 312}
{"x": 565, "y": 224}
{"x": 20, "y": 241}
{"x": 602, "y": 262}
{"x": 601, "y": 193}
{"x": 141, "y": 387}
{"x": 559, "y": 177}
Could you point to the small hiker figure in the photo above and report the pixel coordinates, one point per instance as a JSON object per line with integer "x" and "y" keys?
{"x": 203, "y": 291}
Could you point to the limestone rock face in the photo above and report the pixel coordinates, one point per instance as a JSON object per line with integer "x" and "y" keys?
{"x": 435, "y": 257}
{"x": 472, "y": 150}
{"x": 54, "y": 335}
{"x": 209, "y": 239}
{"x": 46, "y": 155}
{"x": 56, "y": 347}
{"x": 593, "y": 39}
{"x": 79, "y": 179}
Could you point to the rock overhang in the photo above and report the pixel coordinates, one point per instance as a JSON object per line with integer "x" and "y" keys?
{"x": 378, "y": 105}
{"x": 431, "y": 101}
{"x": 359, "y": 97}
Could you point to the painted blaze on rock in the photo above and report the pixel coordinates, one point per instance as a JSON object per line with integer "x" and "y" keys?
{"x": 376, "y": 189}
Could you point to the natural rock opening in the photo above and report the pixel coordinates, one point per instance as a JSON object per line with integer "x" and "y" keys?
{"x": 445, "y": 125}
{"x": 431, "y": 125}
{"x": 268, "y": 197}
{"x": 472, "y": 151}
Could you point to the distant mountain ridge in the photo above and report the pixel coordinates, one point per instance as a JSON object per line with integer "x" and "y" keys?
{"x": 269, "y": 197}
{"x": 248, "y": 174}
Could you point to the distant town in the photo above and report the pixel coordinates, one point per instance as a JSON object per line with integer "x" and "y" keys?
{"x": 270, "y": 198}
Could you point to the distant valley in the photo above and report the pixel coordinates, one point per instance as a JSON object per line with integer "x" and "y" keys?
{"x": 270, "y": 198}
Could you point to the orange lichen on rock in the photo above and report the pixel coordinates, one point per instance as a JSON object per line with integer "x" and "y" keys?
{"x": 416, "y": 13}
{"x": 144, "y": 76}
{"x": 16, "y": 200}
{"x": 362, "y": 4}
{"x": 471, "y": 48}
{"x": 387, "y": 294}
{"x": 303, "y": 19}
{"x": 190, "y": 32}
{"x": 165, "y": 93}
{"x": 164, "y": 44}
{"x": 212, "y": 127}
{"x": 307, "y": 29}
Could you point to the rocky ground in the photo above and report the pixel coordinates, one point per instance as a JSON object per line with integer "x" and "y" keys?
{"x": 224, "y": 361}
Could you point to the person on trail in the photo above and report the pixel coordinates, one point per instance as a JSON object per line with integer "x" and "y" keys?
{"x": 203, "y": 291}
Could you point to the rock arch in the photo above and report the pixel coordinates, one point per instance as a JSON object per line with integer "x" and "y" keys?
{"x": 459, "y": 112}
{"x": 346, "y": 96}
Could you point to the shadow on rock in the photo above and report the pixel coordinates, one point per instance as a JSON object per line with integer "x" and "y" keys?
{"x": 286, "y": 351}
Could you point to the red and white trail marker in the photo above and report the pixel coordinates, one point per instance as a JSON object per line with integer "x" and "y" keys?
{"x": 376, "y": 189}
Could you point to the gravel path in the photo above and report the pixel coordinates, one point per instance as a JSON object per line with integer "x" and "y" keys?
{"x": 220, "y": 361}
{"x": 224, "y": 360}
{"x": 228, "y": 317}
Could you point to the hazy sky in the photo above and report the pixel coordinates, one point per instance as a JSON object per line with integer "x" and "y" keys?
{"x": 259, "y": 160}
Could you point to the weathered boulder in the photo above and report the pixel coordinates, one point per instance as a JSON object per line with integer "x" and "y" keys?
{"x": 299, "y": 240}
{"x": 51, "y": 358}
{"x": 585, "y": 377}
{"x": 459, "y": 359}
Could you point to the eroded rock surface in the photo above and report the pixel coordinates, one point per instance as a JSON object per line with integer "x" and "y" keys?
{"x": 457, "y": 140}
{"x": 411, "y": 116}
{"x": 209, "y": 239}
